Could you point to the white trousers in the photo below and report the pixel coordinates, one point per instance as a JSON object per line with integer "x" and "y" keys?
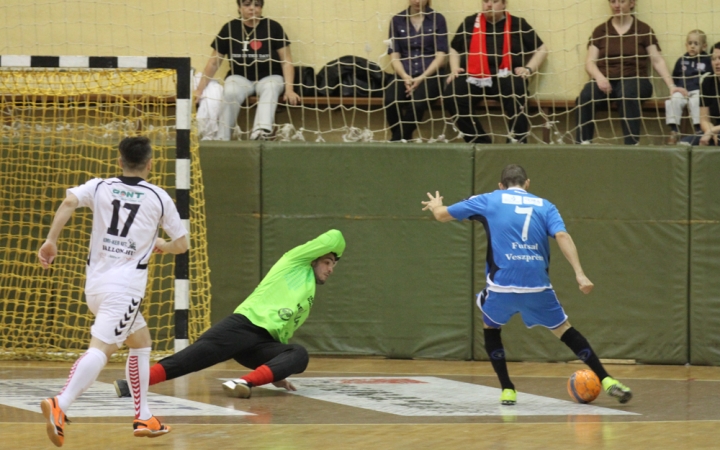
{"x": 208, "y": 112}
{"x": 237, "y": 89}
{"x": 677, "y": 103}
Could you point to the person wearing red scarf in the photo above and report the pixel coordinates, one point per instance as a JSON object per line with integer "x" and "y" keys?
{"x": 492, "y": 55}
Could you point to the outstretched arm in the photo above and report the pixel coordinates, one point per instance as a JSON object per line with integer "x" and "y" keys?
{"x": 48, "y": 251}
{"x": 329, "y": 242}
{"x": 435, "y": 206}
{"x": 567, "y": 246}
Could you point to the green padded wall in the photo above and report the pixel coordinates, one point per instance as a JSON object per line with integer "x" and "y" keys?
{"x": 406, "y": 285}
{"x": 626, "y": 209}
{"x": 231, "y": 174}
{"x": 705, "y": 248}
{"x": 402, "y": 288}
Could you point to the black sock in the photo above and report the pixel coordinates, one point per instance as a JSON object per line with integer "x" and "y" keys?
{"x": 581, "y": 347}
{"x": 496, "y": 352}
{"x": 674, "y": 127}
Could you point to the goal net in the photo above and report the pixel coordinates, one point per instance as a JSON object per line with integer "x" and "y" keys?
{"x": 60, "y": 128}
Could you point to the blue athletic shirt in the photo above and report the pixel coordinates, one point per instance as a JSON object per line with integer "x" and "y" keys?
{"x": 517, "y": 225}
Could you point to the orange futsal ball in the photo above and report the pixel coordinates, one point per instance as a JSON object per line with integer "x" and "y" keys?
{"x": 584, "y": 386}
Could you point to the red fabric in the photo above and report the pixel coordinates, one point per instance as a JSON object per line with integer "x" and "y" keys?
{"x": 157, "y": 374}
{"x": 261, "y": 375}
{"x": 135, "y": 383}
{"x": 478, "y": 65}
{"x": 72, "y": 372}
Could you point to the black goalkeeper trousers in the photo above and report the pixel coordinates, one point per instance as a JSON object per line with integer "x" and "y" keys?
{"x": 235, "y": 337}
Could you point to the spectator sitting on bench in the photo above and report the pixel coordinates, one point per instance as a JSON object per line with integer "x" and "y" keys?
{"x": 617, "y": 61}
{"x": 709, "y": 105}
{"x": 688, "y": 70}
{"x": 489, "y": 58}
{"x": 260, "y": 62}
{"x": 419, "y": 43}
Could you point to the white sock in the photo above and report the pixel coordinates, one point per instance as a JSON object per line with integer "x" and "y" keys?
{"x": 82, "y": 375}
{"x": 137, "y": 373}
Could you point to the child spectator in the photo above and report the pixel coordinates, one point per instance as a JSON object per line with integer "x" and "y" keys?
{"x": 689, "y": 68}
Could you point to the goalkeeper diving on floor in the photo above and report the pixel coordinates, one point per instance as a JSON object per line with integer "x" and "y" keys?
{"x": 256, "y": 334}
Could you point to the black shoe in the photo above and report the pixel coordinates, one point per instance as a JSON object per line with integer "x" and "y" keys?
{"x": 122, "y": 389}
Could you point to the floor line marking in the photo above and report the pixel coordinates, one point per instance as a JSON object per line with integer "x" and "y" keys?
{"x": 435, "y": 397}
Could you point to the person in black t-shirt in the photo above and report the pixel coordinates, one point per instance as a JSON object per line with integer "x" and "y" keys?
{"x": 513, "y": 53}
{"x": 260, "y": 63}
{"x": 709, "y": 105}
{"x": 710, "y": 102}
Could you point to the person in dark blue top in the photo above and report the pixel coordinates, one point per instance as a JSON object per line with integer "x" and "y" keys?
{"x": 418, "y": 45}
{"x": 517, "y": 225}
{"x": 687, "y": 73}
{"x": 709, "y": 105}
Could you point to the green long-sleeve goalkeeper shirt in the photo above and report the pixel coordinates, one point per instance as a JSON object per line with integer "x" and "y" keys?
{"x": 282, "y": 300}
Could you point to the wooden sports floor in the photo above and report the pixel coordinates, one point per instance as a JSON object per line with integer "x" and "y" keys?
{"x": 674, "y": 407}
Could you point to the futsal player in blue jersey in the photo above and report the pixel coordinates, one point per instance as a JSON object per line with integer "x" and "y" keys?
{"x": 517, "y": 225}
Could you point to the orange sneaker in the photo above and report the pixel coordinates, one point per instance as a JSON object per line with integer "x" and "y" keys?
{"x": 56, "y": 420}
{"x": 149, "y": 428}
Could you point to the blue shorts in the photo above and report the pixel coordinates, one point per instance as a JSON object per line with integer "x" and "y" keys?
{"x": 535, "y": 308}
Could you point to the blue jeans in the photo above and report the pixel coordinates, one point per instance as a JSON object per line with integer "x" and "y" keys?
{"x": 629, "y": 92}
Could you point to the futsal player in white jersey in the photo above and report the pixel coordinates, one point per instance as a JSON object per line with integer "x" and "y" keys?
{"x": 517, "y": 225}
{"x": 127, "y": 211}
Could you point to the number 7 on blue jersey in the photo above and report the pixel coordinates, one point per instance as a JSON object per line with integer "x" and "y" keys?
{"x": 528, "y": 211}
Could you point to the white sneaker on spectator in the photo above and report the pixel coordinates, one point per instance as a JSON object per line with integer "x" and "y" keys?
{"x": 259, "y": 135}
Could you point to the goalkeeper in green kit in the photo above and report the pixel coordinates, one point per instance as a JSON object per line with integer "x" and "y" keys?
{"x": 256, "y": 334}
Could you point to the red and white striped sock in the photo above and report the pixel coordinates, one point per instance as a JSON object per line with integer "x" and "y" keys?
{"x": 137, "y": 372}
{"x": 82, "y": 375}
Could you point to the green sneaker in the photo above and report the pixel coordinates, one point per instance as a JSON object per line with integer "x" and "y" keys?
{"x": 508, "y": 397}
{"x": 616, "y": 389}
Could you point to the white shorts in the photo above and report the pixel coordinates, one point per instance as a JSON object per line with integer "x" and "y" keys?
{"x": 116, "y": 317}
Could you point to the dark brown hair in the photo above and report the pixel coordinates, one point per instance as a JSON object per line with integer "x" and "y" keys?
{"x": 513, "y": 175}
{"x": 261, "y": 2}
{"x": 135, "y": 152}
